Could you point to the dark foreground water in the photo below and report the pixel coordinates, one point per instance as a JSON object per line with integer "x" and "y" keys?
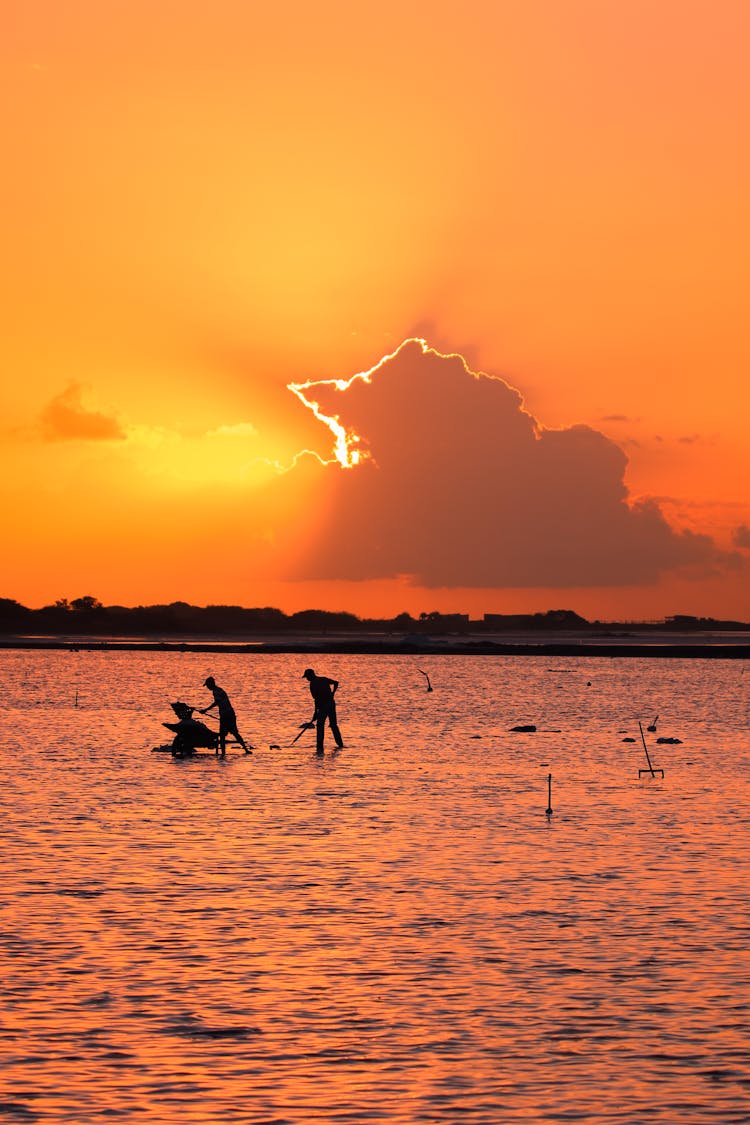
{"x": 394, "y": 933}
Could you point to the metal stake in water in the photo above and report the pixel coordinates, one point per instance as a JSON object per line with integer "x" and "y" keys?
{"x": 548, "y": 811}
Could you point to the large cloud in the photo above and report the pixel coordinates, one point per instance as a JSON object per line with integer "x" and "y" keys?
{"x": 459, "y": 486}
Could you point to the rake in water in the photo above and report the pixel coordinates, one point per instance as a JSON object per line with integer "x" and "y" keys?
{"x": 650, "y": 769}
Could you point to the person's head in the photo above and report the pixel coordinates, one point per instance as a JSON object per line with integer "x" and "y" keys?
{"x": 209, "y": 682}
{"x": 308, "y": 674}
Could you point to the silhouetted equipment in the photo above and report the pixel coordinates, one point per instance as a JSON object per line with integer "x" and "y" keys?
{"x": 179, "y": 755}
{"x": 669, "y": 741}
{"x": 303, "y": 727}
{"x": 429, "y": 685}
{"x": 190, "y": 735}
{"x": 548, "y": 811}
{"x": 652, "y": 727}
{"x": 650, "y": 769}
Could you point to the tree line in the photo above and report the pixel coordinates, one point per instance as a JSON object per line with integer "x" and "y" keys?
{"x": 88, "y": 616}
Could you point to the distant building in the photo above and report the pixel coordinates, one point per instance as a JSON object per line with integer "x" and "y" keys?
{"x": 552, "y": 619}
{"x": 445, "y": 622}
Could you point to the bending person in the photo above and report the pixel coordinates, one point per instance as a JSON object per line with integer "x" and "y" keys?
{"x": 227, "y": 717}
{"x": 323, "y": 690}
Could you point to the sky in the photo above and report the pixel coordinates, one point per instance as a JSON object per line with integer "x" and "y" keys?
{"x": 377, "y": 307}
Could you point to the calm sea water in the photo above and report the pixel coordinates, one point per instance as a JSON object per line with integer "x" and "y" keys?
{"x": 396, "y": 932}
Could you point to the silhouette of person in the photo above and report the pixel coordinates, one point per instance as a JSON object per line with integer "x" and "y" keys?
{"x": 227, "y": 717}
{"x": 323, "y": 690}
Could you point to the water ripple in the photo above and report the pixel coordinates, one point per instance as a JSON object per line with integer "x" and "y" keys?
{"x": 394, "y": 933}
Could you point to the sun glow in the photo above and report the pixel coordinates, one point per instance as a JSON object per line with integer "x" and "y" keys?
{"x": 219, "y": 209}
{"x": 346, "y": 450}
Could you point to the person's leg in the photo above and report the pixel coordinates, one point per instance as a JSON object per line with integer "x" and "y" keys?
{"x": 233, "y": 731}
{"x": 335, "y": 727}
{"x": 223, "y": 732}
{"x": 320, "y": 725}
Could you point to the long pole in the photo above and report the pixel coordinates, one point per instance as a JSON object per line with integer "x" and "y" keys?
{"x": 645, "y": 747}
{"x": 549, "y": 795}
{"x": 303, "y": 728}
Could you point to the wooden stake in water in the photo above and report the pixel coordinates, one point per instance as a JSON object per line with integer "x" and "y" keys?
{"x": 76, "y": 697}
{"x": 549, "y": 795}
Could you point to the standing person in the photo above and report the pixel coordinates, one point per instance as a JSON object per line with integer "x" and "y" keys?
{"x": 323, "y": 690}
{"x": 227, "y": 717}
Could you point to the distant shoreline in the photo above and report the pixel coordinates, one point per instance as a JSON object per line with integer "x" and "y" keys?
{"x": 664, "y": 645}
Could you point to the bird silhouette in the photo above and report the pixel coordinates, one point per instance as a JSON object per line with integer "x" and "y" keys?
{"x": 429, "y": 685}
{"x": 652, "y": 728}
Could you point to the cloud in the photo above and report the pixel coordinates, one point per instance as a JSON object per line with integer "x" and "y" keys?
{"x": 453, "y": 483}
{"x": 239, "y": 430}
{"x": 741, "y": 537}
{"x": 232, "y": 455}
{"x": 227, "y": 454}
{"x": 66, "y": 418}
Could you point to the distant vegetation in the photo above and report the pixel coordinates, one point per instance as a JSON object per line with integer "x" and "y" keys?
{"x": 87, "y": 616}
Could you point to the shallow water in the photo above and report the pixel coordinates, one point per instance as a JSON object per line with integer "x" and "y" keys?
{"x": 396, "y": 932}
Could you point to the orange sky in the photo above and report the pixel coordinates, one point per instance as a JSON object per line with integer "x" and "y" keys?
{"x": 203, "y": 203}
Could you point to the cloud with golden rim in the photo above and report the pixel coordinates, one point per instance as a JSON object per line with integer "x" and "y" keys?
{"x": 450, "y": 480}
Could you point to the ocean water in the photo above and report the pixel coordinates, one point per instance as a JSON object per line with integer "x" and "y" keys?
{"x": 396, "y": 932}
